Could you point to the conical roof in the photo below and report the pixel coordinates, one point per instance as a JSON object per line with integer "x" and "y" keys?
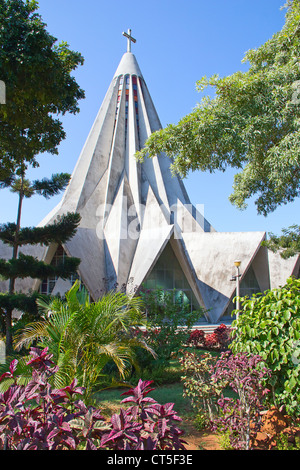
{"x": 122, "y": 201}
{"x": 125, "y": 120}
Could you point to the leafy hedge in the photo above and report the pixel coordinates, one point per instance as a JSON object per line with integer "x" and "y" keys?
{"x": 270, "y": 326}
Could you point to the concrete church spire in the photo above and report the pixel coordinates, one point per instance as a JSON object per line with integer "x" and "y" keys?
{"x": 129, "y": 210}
{"x": 137, "y": 222}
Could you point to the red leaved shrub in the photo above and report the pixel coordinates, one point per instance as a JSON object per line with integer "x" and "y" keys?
{"x": 218, "y": 340}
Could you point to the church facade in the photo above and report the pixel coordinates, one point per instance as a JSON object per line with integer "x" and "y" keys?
{"x": 138, "y": 226}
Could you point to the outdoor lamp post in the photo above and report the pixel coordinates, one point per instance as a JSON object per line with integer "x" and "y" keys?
{"x": 237, "y": 264}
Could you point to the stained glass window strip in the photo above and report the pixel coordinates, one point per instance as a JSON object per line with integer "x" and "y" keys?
{"x": 135, "y": 98}
{"x": 128, "y": 82}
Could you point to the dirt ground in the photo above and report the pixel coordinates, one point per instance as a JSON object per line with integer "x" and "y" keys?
{"x": 275, "y": 426}
{"x": 200, "y": 440}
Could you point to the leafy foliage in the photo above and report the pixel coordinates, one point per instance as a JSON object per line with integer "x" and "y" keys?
{"x": 23, "y": 303}
{"x": 84, "y": 337}
{"x": 22, "y": 266}
{"x": 196, "y": 338}
{"x": 146, "y": 425}
{"x": 288, "y": 243}
{"x": 199, "y": 387}
{"x": 252, "y": 124}
{"x": 218, "y": 340}
{"x": 39, "y": 87}
{"x": 57, "y": 232}
{"x": 37, "y": 73}
{"x": 169, "y": 325}
{"x": 37, "y": 417}
{"x": 270, "y": 327}
{"x": 29, "y": 266}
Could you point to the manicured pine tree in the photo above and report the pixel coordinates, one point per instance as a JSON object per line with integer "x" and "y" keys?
{"x": 37, "y": 72}
{"x": 23, "y": 266}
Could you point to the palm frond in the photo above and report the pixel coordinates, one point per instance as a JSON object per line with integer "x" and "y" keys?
{"x": 84, "y": 337}
{"x": 30, "y": 334}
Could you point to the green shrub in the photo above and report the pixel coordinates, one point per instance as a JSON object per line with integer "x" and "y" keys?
{"x": 270, "y": 326}
{"x": 199, "y": 387}
{"x": 88, "y": 339}
{"x": 169, "y": 322}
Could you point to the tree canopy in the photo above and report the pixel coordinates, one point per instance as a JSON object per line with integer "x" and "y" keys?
{"x": 36, "y": 71}
{"x": 252, "y": 124}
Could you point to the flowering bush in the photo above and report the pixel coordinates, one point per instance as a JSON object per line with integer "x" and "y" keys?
{"x": 146, "y": 425}
{"x": 197, "y": 338}
{"x": 36, "y": 417}
{"x": 246, "y": 375}
{"x": 218, "y": 340}
{"x": 211, "y": 341}
{"x": 168, "y": 328}
{"x": 222, "y": 333}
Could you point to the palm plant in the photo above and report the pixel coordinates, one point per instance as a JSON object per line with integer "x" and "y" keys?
{"x": 85, "y": 336}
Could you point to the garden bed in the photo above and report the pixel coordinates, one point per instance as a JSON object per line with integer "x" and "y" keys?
{"x": 109, "y": 402}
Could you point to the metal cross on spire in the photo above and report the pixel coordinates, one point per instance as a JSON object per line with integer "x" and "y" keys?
{"x": 130, "y": 39}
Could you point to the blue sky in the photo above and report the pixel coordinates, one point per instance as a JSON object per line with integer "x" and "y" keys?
{"x": 178, "y": 42}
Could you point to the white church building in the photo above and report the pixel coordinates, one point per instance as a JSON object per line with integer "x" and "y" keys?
{"x": 138, "y": 226}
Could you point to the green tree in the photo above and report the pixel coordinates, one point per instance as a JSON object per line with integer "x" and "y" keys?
{"x": 84, "y": 337}
{"x": 24, "y": 266}
{"x": 39, "y": 86}
{"x": 252, "y": 124}
{"x": 169, "y": 325}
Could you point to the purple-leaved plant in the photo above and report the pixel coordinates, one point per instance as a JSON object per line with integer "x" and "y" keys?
{"x": 36, "y": 417}
{"x": 246, "y": 375}
{"x": 146, "y": 425}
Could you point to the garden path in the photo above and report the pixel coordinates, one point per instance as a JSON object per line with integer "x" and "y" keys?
{"x": 200, "y": 440}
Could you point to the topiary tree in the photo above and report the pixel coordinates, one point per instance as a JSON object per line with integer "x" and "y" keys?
{"x": 270, "y": 326}
{"x": 20, "y": 265}
{"x": 37, "y": 72}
